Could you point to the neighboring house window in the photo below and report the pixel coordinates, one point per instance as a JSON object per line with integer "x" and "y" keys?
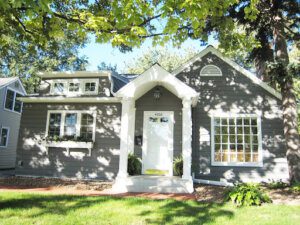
{"x": 11, "y": 101}
{"x": 236, "y": 140}
{"x": 210, "y": 70}
{"x": 58, "y": 88}
{"x": 74, "y": 87}
{"x": 4, "y": 133}
{"x": 90, "y": 87}
{"x": 71, "y": 124}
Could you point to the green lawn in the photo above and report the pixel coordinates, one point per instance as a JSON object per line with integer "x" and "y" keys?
{"x": 24, "y": 208}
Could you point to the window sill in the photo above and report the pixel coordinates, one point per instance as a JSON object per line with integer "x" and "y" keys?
{"x": 241, "y": 164}
{"x": 69, "y": 144}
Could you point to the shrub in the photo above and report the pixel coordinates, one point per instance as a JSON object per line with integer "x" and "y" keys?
{"x": 247, "y": 194}
{"x": 296, "y": 187}
{"x": 134, "y": 165}
{"x": 277, "y": 185}
{"x": 178, "y": 166}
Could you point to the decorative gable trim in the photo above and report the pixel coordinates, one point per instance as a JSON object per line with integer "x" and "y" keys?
{"x": 211, "y": 71}
{"x": 19, "y": 82}
{"x": 245, "y": 72}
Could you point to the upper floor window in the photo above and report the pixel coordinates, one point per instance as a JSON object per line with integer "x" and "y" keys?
{"x": 71, "y": 125}
{"x": 4, "y": 133}
{"x": 11, "y": 101}
{"x": 58, "y": 88}
{"x": 236, "y": 141}
{"x": 74, "y": 86}
{"x": 90, "y": 87}
{"x": 210, "y": 70}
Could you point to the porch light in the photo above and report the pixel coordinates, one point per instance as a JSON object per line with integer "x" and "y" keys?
{"x": 157, "y": 93}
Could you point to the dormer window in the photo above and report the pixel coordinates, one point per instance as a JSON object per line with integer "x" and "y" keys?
{"x": 58, "y": 88}
{"x": 210, "y": 70}
{"x": 90, "y": 87}
{"x": 74, "y": 87}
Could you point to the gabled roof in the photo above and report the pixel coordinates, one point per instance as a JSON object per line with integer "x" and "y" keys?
{"x": 120, "y": 80}
{"x": 251, "y": 76}
{"x": 9, "y": 80}
{"x": 152, "y": 77}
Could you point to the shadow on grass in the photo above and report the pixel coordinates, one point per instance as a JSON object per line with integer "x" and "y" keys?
{"x": 160, "y": 212}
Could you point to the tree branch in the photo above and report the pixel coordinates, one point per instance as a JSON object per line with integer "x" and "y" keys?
{"x": 23, "y": 26}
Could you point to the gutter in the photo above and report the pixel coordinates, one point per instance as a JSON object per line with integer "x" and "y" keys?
{"x": 70, "y": 99}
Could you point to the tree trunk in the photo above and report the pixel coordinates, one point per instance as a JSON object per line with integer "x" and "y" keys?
{"x": 289, "y": 106}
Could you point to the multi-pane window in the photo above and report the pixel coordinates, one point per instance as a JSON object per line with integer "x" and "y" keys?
{"x": 87, "y": 126}
{"x": 58, "y": 88}
{"x": 236, "y": 140}
{"x": 11, "y": 102}
{"x": 4, "y": 133}
{"x": 54, "y": 124}
{"x": 71, "y": 125}
{"x": 73, "y": 87}
{"x": 90, "y": 87}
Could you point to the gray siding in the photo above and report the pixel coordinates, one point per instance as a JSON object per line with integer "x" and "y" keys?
{"x": 234, "y": 92}
{"x": 167, "y": 102}
{"x": 104, "y": 162}
{"x": 11, "y": 120}
{"x": 103, "y": 89}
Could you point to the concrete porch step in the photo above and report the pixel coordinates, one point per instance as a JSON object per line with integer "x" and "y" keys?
{"x": 154, "y": 184}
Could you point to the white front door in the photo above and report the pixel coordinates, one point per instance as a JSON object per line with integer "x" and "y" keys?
{"x": 158, "y": 143}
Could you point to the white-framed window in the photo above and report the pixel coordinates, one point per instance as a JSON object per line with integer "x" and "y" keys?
{"x": 211, "y": 70}
{"x": 4, "y": 135}
{"x": 236, "y": 140}
{"x": 74, "y": 86}
{"x": 11, "y": 102}
{"x": 80, "y": 125}
{"x": 90, "y": 87}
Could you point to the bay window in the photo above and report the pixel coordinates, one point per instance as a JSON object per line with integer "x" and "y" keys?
{"x": 71, "y": 125}
{"x": 236, "y": 141}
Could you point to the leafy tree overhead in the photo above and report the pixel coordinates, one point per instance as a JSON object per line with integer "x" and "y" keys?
{"x": 105, "y": 66}
{"x": 167, "y": 58}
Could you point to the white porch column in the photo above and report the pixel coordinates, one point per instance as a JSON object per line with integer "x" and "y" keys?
{"x": 127, "y": 134}
{"x": 187, "y": 138}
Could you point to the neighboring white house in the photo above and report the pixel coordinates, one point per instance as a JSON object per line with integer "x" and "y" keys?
{"x": 10, "y": 114}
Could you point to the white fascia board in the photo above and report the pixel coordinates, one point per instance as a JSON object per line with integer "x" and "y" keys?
{"x": 69, "y": 99}
{"x": 74, "y": 74}
{"x": 156, "y": 75}
{"x": 245, "y": 72}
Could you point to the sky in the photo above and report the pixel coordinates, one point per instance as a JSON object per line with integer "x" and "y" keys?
{"x": 97, "y": 53}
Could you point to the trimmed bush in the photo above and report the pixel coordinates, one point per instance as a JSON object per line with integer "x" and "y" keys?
{"x": 134, "y": 165}
{"x": 247, "y": 195}
{"x": 277, "y": 185}
{"x": 296, "y": 187}
{"x": 178, "y": 166}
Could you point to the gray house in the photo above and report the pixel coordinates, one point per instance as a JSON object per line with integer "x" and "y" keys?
{"x": 224, "y": 122}
{"x": 10, "y": 115}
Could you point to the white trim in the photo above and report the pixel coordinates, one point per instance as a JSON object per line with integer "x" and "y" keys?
{"x": 72, "y": 74}
{"x": 259, "y": 137}
{"x": 78, "y": 122}
{"x": 14, "y": 80}
{"x": 243, "y": 71}
{"x": 8, "y": 131}
{"x": 64, "y": 99}
{"x": 145, "y": 149}
{"x": 213, "y": 182}
{"x": 157, "y": 76}
{"x": 208, "y": 74}
{"x": 14, "y": 100}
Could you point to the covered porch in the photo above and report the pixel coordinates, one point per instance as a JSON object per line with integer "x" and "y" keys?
{"x": 158, "y": 138}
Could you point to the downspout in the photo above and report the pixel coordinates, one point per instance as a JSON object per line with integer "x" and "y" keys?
{"x": 212, "y": 182}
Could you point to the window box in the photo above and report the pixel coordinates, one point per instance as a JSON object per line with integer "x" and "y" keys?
{"x": 69, "y": 144}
